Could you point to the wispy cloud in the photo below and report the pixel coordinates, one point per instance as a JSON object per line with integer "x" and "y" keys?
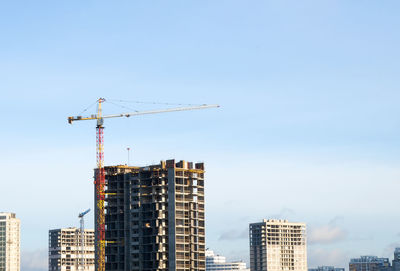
{"x": 35, "y": 260}
{"x": 389, "y": 250}
{"x": 285, "y": 213}
{"x": 327, "y": 234}
{"x": 238, "y": 255}
{"x": 234, "y": 235}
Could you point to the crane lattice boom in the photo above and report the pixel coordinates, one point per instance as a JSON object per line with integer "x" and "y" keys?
{"x": 83, "y": 213}
{"x": 93, "y": 117}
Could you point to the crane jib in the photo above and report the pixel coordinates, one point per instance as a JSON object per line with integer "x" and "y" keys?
{"x": 130, "y": 114}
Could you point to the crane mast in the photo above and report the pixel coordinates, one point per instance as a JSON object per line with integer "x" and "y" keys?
{"x": 82, "y": 263}
{"x": 99, "y": 192}
{"x": 99, "y": 182}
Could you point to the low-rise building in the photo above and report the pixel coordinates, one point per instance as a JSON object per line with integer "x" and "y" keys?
{"x": 218, "y": 263}
{"x": 369, "y": 263}
{"x": 326, "y": 268}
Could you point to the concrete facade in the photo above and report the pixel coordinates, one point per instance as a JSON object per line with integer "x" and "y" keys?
{"x": 9, "y": 242}
{"x": 278, "y": 245}
{"x": 155, "y": 217}
{"x": 65, "y": 252}
{"x": 218, "y": 263}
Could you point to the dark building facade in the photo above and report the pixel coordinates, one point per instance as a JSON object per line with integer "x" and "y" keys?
{"x": 155, "y": 217}
{"x": 396, "y": 260}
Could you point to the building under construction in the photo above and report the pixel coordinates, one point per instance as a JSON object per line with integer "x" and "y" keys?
{"x": 66, "y": 252}
{"x": 155, "y": 217}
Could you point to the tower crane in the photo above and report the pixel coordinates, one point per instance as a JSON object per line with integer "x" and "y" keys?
{"x": 100, "y": 173}
{"x": 82, "y": 232}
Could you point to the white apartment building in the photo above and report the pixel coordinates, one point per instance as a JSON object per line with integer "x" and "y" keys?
{"x": 9, "y": 242}
{"x": 218, "y": 263}
{"x": 278, "y": 245}
{"x": 65, "y": 250}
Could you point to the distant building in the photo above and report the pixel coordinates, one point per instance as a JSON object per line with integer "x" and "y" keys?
{"x": 218, "y": 263}
{"x": 277, "y": 245}
{"x": 65, "y": 251}
{"x": 369, "y": 263}
{"x": 9, "y": 242}
{"x": 396, "y": 260}
{"x": 326, "y": 268}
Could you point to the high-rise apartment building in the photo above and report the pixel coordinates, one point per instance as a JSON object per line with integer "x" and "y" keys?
{"x": 155, "y": 217}
{"x": 369, "y": 263}
{"x": 9, "y": 242}
{"x": 278, "y": 245}
{"x": 218, "y": 263}
{"x": 326, "y": 268}
{"x": 65, "y": 250}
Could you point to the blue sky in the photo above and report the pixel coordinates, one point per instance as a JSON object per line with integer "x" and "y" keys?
{"x": 308, "y": 129}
